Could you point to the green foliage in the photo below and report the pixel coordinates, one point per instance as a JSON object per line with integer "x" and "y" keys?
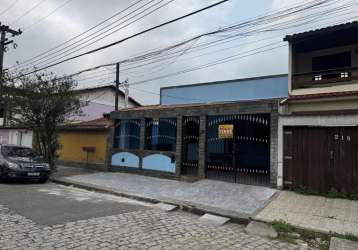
{"x": 323, "y": 245}
{"x": 282, "y": 226}
{"x": 42, "y": 103}
{"x": 333, "y": 193}
{"x": 347, "y": 236}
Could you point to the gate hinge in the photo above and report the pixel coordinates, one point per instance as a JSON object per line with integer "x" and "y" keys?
{"x": 288, "y": 182}
{"x": 288, "y": 132}
{"x": 287, "y": 157}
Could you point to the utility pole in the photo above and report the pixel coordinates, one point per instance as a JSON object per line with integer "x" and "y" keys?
{"x": 126, "y": 94}
{"x": 3, "y": 42}
{"x": 117, "y": 87}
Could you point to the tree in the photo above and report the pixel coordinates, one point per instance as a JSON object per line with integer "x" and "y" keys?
{"x": 42, "y": 103}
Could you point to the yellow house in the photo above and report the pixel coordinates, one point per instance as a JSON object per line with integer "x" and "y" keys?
{"x": 84, "y": 144}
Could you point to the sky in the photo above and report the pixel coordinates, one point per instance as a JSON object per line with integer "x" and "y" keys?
{"x": 41, "y": 34}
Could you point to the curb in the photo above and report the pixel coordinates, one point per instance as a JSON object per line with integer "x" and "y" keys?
{"x": 244, "y": 219}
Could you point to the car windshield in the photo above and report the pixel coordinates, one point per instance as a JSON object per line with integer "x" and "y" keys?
{"x": 11, "y": 151}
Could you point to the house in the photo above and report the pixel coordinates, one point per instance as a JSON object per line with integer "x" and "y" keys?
{"x": 221, "y": 130}
{"x": 99, "y": 100}
{"x": 84, "y": 143}
{"x": 318, "y": 133}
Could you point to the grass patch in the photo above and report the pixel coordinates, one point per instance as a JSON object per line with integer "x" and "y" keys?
{"x": 282, "y": 226}
{"x": 323, "y": 245}
{"x": 332, "y": 194}
{"x": 348, "y": 236}
{"x": 285, "y": 231}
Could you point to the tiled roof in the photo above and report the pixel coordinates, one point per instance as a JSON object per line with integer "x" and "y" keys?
{"x": 322, "y": 30}
{"x": 98, "y": 124}
{"x": 173, "y": 106}
{"x": 322, "y": 95}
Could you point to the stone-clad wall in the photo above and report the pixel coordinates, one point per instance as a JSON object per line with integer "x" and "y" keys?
{"x": 203, "y": 110}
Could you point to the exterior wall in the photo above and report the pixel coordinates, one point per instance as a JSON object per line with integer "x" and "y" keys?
{"x": 250, "y": 107}
{"x": 317, "y": 121}
{"x": 21, "y": 137}
{"x": 72, "y": 143}
{"x": 93, "y": 111}
{"x": 235, "y": 90}
{"x": 99, "y": 102}
{"x": 302, "y": 63}
{"x": 322, "y": 105}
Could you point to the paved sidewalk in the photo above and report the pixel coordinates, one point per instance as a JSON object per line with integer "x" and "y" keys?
{"x": 233, "y": 200}
{"x": 313, "y": 212}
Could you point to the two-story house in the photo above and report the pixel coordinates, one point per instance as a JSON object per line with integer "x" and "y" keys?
{"x": 318, "y": 133}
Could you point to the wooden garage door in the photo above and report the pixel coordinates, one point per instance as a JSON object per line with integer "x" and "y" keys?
{"x": 321, "y": 158}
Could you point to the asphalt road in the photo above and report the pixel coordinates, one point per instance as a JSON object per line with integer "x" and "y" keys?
{"x": 50, "y": 204}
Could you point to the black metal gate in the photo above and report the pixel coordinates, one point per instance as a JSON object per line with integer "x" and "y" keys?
{"x": 190, "y": 145}
{"x": 242, "y": 156}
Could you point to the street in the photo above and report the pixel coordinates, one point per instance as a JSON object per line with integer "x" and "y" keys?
{"x": 51, "y": 216}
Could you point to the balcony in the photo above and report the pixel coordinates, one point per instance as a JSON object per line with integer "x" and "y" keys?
{"x": 324, "y": 78}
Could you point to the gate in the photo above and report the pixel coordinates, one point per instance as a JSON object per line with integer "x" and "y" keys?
{"x": 321, "y": 159}
{"x": 190, "y": 145}
{"x": 238, "y": 148}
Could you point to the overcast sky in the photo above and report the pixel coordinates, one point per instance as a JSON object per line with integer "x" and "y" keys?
{"x": 79, "y": 15}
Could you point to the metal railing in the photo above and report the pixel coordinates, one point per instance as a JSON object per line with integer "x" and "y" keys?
{"x": 324, "y": 77}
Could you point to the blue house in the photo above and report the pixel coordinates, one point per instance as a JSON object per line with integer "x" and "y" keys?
{"x": 220, "y": 130}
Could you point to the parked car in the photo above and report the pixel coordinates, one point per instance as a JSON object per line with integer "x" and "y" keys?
{"x": 18, "y": 162}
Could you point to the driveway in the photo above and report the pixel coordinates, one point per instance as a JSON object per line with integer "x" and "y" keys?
{"x": 235, "y": 200}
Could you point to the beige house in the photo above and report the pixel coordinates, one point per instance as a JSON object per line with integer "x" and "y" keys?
{"x": 318, "y": 134}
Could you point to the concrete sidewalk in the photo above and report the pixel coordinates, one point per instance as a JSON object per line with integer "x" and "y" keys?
{"x": 233, "y": 200}
{"x": 315, "y": 213}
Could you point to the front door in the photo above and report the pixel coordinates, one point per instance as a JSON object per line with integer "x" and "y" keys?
{"x": 343, "y": 161}
{"x": 321, "y": 159}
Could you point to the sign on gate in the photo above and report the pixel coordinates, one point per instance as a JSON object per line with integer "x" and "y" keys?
{"x": 226, "y": 131}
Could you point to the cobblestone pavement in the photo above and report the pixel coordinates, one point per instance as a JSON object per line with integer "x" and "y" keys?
{"x": 149, "y": 229}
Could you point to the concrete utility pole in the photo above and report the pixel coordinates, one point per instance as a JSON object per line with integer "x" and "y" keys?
{"x": 126, "y": 94}
{"x": 3, "y": 42}
{"x": 117, "y": 87}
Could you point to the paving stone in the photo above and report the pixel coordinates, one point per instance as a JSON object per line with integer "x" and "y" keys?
{"x": 261, "y": 229}
{"x": 214, "y": 219}
{"x": 147, "y": 229}
{"x": 342, "y": 244}
{"x": 166, "y": 207}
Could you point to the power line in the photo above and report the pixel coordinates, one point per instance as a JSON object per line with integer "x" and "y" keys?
{"x": 63, "y": 54}
{"x": 28, "y": 12}
{"x": 129, "y": 37}
{"x": 311, "y": 4}
{"x": 9, "y": 7}
{"x": 314, "y": 4}
{"x": 84, "y": 32}
{"x": 48, "y": 15}
{"x": 145, "y": 56}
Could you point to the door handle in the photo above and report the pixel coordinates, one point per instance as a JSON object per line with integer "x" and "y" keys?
{"x": 331, "y": 155}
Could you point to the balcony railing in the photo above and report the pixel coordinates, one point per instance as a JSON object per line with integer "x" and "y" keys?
{"x": 324, "y": 78}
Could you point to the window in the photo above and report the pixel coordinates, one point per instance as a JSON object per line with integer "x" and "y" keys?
{"x": 335, "y": 61}
{"x": 161, "y": 134}
{"x": 127, "y": 134}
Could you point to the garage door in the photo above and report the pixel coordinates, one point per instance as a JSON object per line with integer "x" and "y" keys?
{"x": 321, "y": 159}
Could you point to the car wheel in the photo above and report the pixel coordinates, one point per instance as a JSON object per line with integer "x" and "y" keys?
{"x": 43, "y": 180}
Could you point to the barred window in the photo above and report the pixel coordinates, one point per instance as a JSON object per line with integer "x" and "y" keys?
{"x": 127, "y": 134}
{"x": 161, "y": 134}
